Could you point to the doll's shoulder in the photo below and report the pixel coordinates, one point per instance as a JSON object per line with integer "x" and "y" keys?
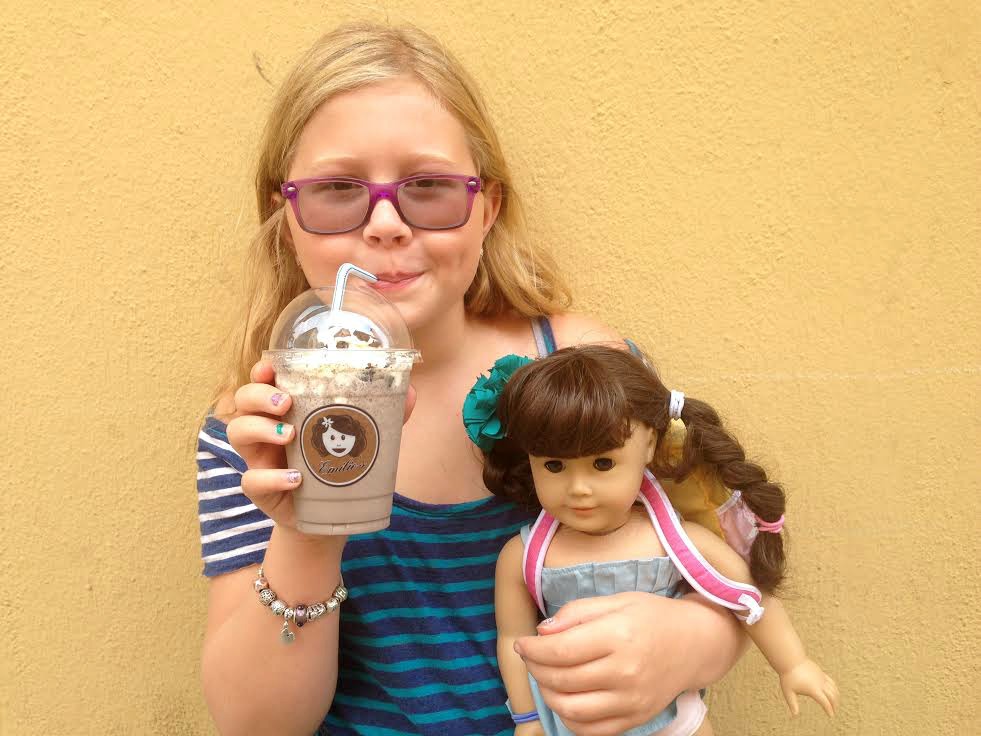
{"x": 573, "y": 328}
{"x": 511, "y": 556}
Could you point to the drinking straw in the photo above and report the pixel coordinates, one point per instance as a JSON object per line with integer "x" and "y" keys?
{"x": 341, "y": 283}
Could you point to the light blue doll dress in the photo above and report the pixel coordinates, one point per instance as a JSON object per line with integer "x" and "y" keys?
{"x": 561, "y": 585}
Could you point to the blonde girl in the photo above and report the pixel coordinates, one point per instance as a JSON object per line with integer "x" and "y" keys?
{"x": 412, "y": 648}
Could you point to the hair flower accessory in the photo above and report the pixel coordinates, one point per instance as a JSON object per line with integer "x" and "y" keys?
{"x": 480, "y": 407}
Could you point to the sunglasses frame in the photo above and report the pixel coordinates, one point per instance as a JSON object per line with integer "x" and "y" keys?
{"x": 377, "y": 191}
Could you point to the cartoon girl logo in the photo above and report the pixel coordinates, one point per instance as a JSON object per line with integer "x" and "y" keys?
{"x": 339, "y": 444}
{"x": 338, "y": 435}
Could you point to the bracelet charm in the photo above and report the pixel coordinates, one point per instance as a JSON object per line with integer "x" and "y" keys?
{"x": 300, "y": 614}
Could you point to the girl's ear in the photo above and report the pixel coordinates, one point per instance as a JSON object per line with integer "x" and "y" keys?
{"x": 492, "y": 205}
{"x": 279, "y": 201}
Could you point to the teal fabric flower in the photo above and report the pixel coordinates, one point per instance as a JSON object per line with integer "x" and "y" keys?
{"x": 480, "y": 407}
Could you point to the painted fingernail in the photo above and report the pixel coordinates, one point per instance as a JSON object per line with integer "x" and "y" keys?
{"x": 293, "y": 476}
{"x": 277, "y": 399}
{"x": 547, "y": 621}
{"x": 282, "y": 429}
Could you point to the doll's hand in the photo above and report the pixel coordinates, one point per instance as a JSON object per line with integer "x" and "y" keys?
{"x": 609, "y": 663}
{"x": 809, "y": 679}
{"x": 533, "y": 728}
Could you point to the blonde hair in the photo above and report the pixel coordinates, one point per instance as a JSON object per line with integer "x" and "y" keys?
{"x": 512, "y": 276}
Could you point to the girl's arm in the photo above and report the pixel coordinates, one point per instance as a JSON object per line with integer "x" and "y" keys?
{"x": 252, "y": 682}
{"x": 774, "y": 633}
{"x": 516, "y": 616}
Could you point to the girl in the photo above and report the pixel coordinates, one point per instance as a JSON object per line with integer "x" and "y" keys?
{"x": 412, "y": 650}
{"x": 578, "y": 429}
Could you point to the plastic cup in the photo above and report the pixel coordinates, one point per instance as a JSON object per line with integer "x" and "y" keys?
{"x": 347, "y": 373}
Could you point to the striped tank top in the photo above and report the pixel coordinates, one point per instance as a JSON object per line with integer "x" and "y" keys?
{"x": 417, "y": 650}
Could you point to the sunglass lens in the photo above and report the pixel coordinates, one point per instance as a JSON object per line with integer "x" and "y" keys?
{"x": 333, "y": 206}
{"x": 434, "y": 203}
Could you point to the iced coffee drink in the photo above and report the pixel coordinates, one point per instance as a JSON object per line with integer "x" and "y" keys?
{"x": 344, "y": 356}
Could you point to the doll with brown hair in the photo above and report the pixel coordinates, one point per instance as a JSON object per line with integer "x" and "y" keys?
{"x": 582, "y": 432}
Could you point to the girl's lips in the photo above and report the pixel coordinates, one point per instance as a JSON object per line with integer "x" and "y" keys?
{"x": 395, "y": 281}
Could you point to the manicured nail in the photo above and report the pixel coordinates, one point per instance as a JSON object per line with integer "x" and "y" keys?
{"x": 547, "y": 621}
{"x": 277, "y": 399}
{"x": 293, "y": 476}
{"x": 282, "y": 429}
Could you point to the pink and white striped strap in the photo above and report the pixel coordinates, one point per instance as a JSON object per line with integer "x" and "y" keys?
{"x": 704, "y": 578}
{"x": 533, "y": 560}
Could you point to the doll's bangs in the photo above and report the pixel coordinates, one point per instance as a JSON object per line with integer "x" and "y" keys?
{"x": 565, "y": 409}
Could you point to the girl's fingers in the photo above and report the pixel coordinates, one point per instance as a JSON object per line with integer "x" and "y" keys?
{"x": 584, "y": 709}
{"x": 594, "y": 675}
{"x": 265, "y": 482}
{"x": 261, "y": 398}
{"x": 260, "y": 440}
{"x": 262, "y": 372}
{"x": 410, "y": 403}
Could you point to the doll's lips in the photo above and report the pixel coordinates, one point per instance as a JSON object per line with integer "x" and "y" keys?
{"x": 583, "y": 510}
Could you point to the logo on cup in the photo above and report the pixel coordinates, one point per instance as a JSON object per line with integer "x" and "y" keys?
{"x": 339, "y": 444}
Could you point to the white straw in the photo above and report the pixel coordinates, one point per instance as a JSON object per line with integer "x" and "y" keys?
{"x": 341, "y": 283}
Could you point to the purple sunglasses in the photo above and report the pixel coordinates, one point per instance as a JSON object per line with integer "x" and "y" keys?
{"x": 339, "y": 204}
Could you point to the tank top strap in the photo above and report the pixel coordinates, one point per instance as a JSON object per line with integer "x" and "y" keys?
{"x": 533, "y": 560}
{"x": 703, "y": 577}
{"x": 541, "y": 327}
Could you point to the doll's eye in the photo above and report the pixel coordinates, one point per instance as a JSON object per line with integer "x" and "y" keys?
{"x": 603, "y": 463}
{"x": 554, "y": 466}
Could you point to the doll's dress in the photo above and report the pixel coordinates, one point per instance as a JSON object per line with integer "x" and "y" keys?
{"x": 657, "y": 575}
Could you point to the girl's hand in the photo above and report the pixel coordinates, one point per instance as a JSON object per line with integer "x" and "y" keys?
{"x": 257, "y": 433}
{"x": 808, "y": 678}
{"x": 610, "y": 663}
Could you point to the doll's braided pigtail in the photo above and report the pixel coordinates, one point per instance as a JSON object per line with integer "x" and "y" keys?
{"x": 706, "y": 441}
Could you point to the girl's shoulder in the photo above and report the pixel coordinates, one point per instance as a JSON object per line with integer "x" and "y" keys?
{"x": 573, "y": 328}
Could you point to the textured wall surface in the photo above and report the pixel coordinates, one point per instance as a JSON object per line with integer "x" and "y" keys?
{"x": 780, "y": 200}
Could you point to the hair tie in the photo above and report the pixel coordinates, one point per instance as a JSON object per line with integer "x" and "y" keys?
{"x": 676, "y": 404}
{"x": 773, "y": 527}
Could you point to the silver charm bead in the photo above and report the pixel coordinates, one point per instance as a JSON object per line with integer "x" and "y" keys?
{"x": 278, "y": 606}
{"x": 260, "y": 584}
{"x": 316, "y": 611}
{"x": 340, "y": 594}
{"x": 288, "y": 614}
{"x": 332, "y": 604}
{"x": 266, "y": 597}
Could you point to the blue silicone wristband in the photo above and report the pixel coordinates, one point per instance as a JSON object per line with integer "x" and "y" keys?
{"x": 525, "y": 717}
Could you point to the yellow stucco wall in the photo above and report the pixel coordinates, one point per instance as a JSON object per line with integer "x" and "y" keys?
{"x": 779, "y": 199}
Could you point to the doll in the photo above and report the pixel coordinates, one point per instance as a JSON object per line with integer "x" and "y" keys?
{"x": 581, "y": 439}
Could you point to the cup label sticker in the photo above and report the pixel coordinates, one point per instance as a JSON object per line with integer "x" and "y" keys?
{"x": 339, "y": 444}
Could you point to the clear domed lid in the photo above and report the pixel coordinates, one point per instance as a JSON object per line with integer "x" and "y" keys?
{"x": 348, "y": 316}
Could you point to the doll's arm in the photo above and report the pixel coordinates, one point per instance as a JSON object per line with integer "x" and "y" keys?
{"x": 516, "y": 616}
{"x": 774, "y": 633}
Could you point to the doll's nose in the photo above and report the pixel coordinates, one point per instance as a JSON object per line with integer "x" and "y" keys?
{"x": 579, "y": 486}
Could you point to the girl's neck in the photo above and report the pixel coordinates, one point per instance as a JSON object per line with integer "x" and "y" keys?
{"x": 441, "y": 341}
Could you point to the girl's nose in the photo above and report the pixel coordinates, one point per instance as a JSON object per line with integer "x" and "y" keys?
{"x": 385, "y": 227}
